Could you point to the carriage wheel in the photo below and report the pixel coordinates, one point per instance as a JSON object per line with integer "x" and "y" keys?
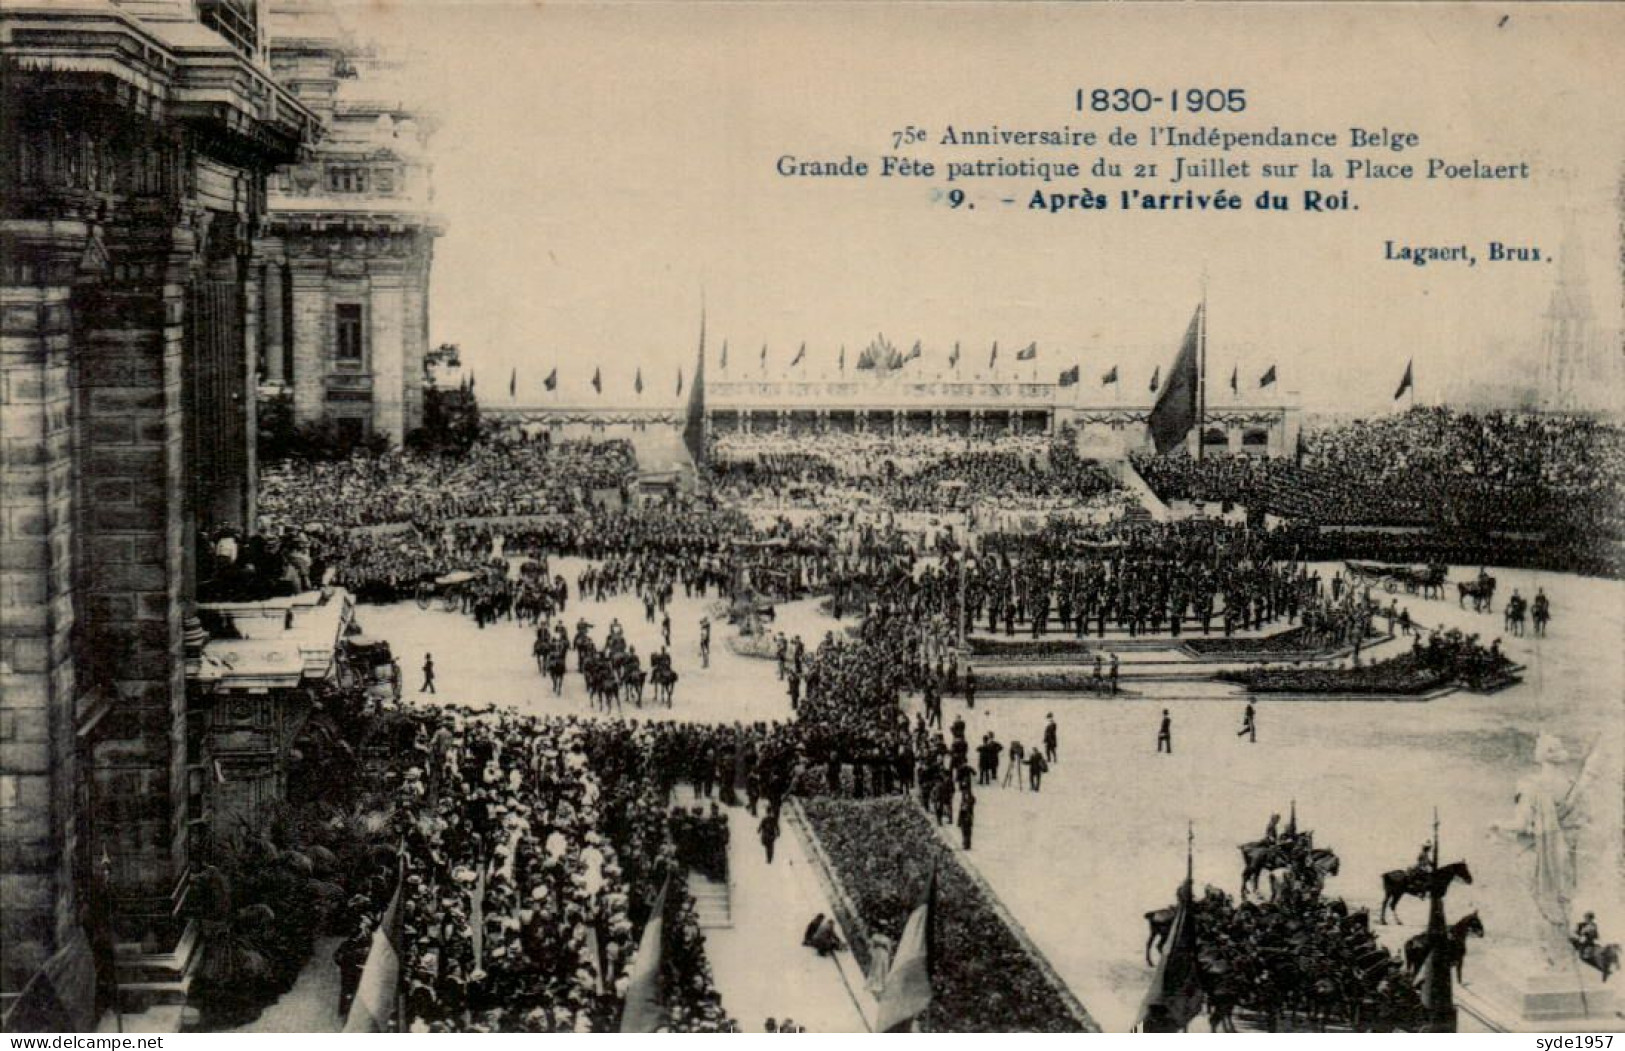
{"x": 424, "y": 596}
{"x": 1388, "y": 586}
{"x": 449, "y": 602}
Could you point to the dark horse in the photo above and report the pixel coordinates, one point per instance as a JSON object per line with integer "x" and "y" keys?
{"x": 1455, "y": 945}
{"x": 1481, "y": 591}
{"x": 1604, "y": 958}
{"x": 1418, "y": 884}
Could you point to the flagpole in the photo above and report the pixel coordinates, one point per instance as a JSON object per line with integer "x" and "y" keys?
{"x": 1201, "y": 375}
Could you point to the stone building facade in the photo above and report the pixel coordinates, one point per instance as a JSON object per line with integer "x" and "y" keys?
{"x": 138, "y": 138}
{"x": 350, "y": 239}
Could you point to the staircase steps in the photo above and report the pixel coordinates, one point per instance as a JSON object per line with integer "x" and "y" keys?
{"x": 163, "y": 979}
{"x": 713, "y": 901}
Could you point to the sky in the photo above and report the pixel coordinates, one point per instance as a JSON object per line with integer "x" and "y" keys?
{"x": 601, "y": 170}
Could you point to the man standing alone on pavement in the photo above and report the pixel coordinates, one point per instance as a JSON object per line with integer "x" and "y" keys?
{"x": 1165, "y": 734}
{"x": 428, "y": 674}
{"x": 769, "y": 831}
{"x": 1249, "y": 727}
{"x": 1052, "y": 739}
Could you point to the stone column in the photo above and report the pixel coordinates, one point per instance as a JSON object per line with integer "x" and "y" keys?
{"x": 37, "y": 576}
{"x": 271, "y": 312}
{"x": 386, "y": 352}
{"x": 136, "y": 534}
{"x": 312, "y": 335}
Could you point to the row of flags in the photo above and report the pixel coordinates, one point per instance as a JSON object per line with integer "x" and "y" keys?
{"x": 551, "y": 382}
{"x": 1070, "y": 378}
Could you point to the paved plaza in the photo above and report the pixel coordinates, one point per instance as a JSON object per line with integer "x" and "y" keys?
{"x": 1081, "y": 862}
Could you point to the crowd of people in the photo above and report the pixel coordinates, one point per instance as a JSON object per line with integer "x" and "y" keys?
{"x": 909, "y": 474}
{"x": 532, "y": 853}
{"x": 504, "y": 475}
{"x": 1506, "y": 476}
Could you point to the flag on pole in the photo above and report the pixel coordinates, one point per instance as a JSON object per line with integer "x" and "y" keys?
{"x": 1028, "y": 353}
{"x": 1235, "y": 378}
{"x": 799, "y": 355}
{"x": 953, "y": 359}
{"x": 907, "y": 992}
{"x": 724, "y": 362}
{"x": 598, "y": 381}
{"x": 1174, "y": 414}
{"x": 994, "y": 358}
{"x": 642, "y": 1013}
{"x": 1175, "y": 996}
{"x": 1110, "y": 377}
{"x": 1268, "y": 377}
{"x": 763, "y": 361}
{"x": 915, "y": 351}
{"x": 679, "y": 381}
{"x": 513, "y": 383}
{"x": 694, "y": 417}
{"x": 1406, "y": 382}
{"x": 1156, "y": 377}
{"x": 1069, "y": 377}
{"x": 373, "y": 1009}
{"x": 637, "y": 382}
{"x": 552, "y": 381}
{"x": 843, "y": 357}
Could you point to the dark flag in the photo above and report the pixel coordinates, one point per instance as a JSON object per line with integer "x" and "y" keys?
{"x": 1406, "y": 382}
{"x": 1156, "y": 378}
{"x": 724, "y": 361}
{"x": 1235, "y": 379}
{"x": 552, "y": 381}
{"x": 643, "y": 1013}
{"x": 763, "y": 360}
{"x": 843, "y": 357}
{"x": 1268, "y": 377}
{"x": 1433, "y": 983}
{"x": 1109, "y": 378}
{"x": 907, "y": 992}
{"x": 1174, "y": 414}
{"x": 679, "y": 381}
{"x": 597, "y": 381}
{"x": 374, "y": 1007}
{"x": 694, "y": 420}
{"x": 915, "y": 352}
{"x": 637, "y": 382}
{"x": 513, "y": 383}
{"x": 799, "y": 355}
{"x": 1069, "y": 377}
{"x": 953, "y": 359}
{"x": 1175, "y": 997}
{"x": 471, "y": 381}
{"x": 867, "y": 358}
{"x": 993, "y": 360}
{"x": 1028, "y": 353}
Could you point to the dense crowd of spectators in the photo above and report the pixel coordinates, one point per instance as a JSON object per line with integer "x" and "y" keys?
{"x": 534, "y": 852}
{"x": 1516, "y": 476}
{"x": 501, "y": 476}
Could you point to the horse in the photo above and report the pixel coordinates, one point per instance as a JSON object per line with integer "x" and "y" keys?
{"x": 1481, "y": 591}
{"x": 1431, "y": 585}
{"x": 1543, "y": 614}
{"x": 1604, "y": 958}
{"x": 665, "y": 682}
{"x": 540, "y": 649}
{"x": 1514, "y": 612}
{"x": 555, "y": 668}
{"x": 1418, "y": 884}
{"x": 632, "y": 680}
{"x": 1455, "y": 945}
{"x": 1260, "y": 856}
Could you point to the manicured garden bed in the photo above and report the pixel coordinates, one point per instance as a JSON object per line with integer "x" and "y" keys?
{"x": 984, "y": 978}
{"x": 1028, "y": 648}
{"x": 1015, "y": 680}
{"x": 1404, "y": 675}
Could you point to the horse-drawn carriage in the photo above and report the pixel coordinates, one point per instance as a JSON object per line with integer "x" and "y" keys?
{"x": 370, "y": 664}
{"x": 1426, "y": 580}
{"x": 448, "y": 589}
